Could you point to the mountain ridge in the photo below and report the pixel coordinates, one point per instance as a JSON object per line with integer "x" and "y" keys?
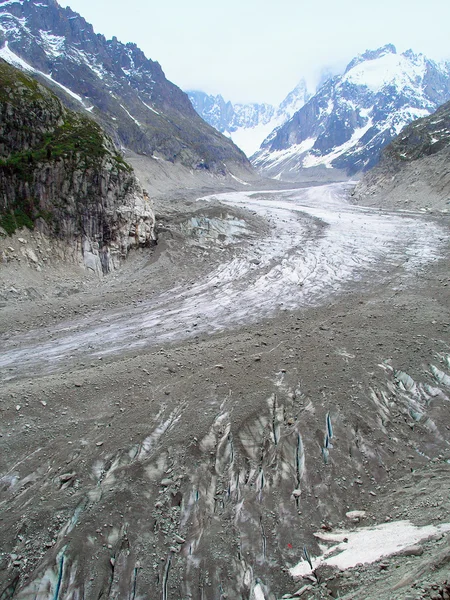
{"x": 248, "y": 124}
{"x": 413, "y": 171}
{"x": 123, "y": 89}
{"x": 353, "y": 116}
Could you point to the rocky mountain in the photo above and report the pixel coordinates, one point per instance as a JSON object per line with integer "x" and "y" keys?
{"x": 60, "y": 174}
{"x": 414, "y": 169}
{"x": 247, "y": 124}
{"x": 125, "y": 91}
{"x": 353, "y": 116}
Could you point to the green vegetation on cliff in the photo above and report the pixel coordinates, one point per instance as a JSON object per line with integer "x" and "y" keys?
{"x": 37, "y": 134}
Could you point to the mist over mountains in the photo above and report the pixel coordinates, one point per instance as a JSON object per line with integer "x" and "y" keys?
{"x": 345, "y": 124}
{"x": 248, "y": 124}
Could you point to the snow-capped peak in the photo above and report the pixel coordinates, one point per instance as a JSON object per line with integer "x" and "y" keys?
{"x": 248, "y": 124}
{"x": 353, "y": 116}
{"x": 387, "y": 69}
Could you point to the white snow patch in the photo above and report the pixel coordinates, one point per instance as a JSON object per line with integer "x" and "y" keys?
{"x": 8, "y": 2}
{"x": 99, "y": 70}
{"x": 258, "y": 592}
{"x": 367, "y": 544}
{"x": 131, "y": 116}
{"x": 239, "y": 180}
{"x": 149, "y": 107}
{"x": 10, "y": 57}
{"x": 390, "y": 69}
{"x": 249, "y": 139}
{"x": 63, "y": 87}
{"x": 280, "y": 157}
{"x": 54, "y": 44}
{"x": 313, "y": 161}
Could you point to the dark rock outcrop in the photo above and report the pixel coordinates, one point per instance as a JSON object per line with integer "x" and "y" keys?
{"x": 61, "y": 174}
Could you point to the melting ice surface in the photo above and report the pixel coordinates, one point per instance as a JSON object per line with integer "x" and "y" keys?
{"x": 367, "y": 544}
{"x": 315, "y": 245}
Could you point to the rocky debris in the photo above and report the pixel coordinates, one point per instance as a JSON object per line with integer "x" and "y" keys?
{"x": 412, "y": 551}
{"x": 355, "y": 515}
{"x": 235, "y": 442}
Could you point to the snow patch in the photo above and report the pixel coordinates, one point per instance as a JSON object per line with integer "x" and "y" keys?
{"x": 367, "y": 544}
{"x": 63, "y": 87}
{"x": 53, "y": 44}
{"x": 10, "y": 57}
{"x": 313, "y": 161}
{"x": 131, "y": 116}
{"x": 239, "y": 180}
{"x": 249, "y": 139}
{"x": 390, "y": 69}
{"x": 149, "y": 107}
{"x": 9, "y": 2}
{"x": 279, "y": 157}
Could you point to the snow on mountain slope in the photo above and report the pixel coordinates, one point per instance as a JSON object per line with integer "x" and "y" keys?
{"x": 353, "y": 116}
{"x": 247, "y": 124}
{"x": 127, "y": 93}
{"x": 387, "y": 69}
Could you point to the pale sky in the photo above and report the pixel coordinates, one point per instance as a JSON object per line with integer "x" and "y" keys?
{"x": 258, "y": 50}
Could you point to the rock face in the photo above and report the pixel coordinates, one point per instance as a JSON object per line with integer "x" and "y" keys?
{"x": 414, "y": 170}
{"x": 248, "y": 124}
{"x": 126, "y": 92}
{"x": 353, "y": 116}
{"x": 60, "y": 174}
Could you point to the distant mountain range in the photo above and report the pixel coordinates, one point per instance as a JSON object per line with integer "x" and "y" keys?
{"x": 336, "y": 132}
{"x": 248, "y": 124}
{"x": 340, "y": 129}
{"x": 353, "y": 116}
{"x": 122, "y": 89}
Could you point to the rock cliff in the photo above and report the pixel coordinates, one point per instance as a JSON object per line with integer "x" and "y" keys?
{"x": 62, "y": 175}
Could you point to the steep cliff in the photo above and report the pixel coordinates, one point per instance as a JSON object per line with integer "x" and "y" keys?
{"x": 60, "y": 174}
{"x": 414, "y": 170}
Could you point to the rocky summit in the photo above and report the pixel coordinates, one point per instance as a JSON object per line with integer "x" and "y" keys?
{"x": 343, "y": 127}
{"x": 123, "y": 89}
{"x": 62, "y": 175}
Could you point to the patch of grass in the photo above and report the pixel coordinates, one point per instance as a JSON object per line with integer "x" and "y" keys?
{"x": 78, "y": 139}
{"x": 122, "y": 165}
{"x": 17, "y": 219}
